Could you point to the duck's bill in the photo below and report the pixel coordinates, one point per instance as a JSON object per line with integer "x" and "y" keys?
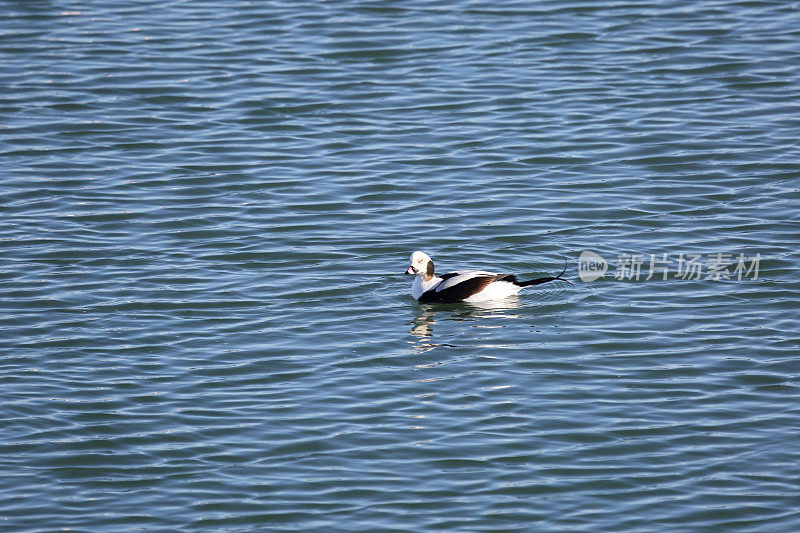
{"x": 411, "y": 270}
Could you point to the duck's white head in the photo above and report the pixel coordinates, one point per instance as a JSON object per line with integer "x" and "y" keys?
{"x": 421, "y": 265}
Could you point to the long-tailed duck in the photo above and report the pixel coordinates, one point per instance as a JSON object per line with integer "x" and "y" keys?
{"x": 465, "y": 285}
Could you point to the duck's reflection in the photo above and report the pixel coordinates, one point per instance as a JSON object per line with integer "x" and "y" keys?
{"x": 475, "y": 315}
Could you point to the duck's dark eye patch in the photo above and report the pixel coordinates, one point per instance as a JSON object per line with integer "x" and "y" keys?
{"x": 429, "y": 272}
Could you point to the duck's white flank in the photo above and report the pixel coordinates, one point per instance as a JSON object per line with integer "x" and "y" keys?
{"x": 494, "y": 291}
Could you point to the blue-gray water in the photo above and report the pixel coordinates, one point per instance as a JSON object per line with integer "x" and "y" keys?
{"x": 206, "y": 208}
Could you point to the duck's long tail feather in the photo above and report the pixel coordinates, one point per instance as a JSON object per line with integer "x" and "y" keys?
{"x": 539, "y": 281}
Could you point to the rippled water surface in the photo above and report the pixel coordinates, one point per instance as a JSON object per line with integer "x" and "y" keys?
{"x": 207, "y": 208}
